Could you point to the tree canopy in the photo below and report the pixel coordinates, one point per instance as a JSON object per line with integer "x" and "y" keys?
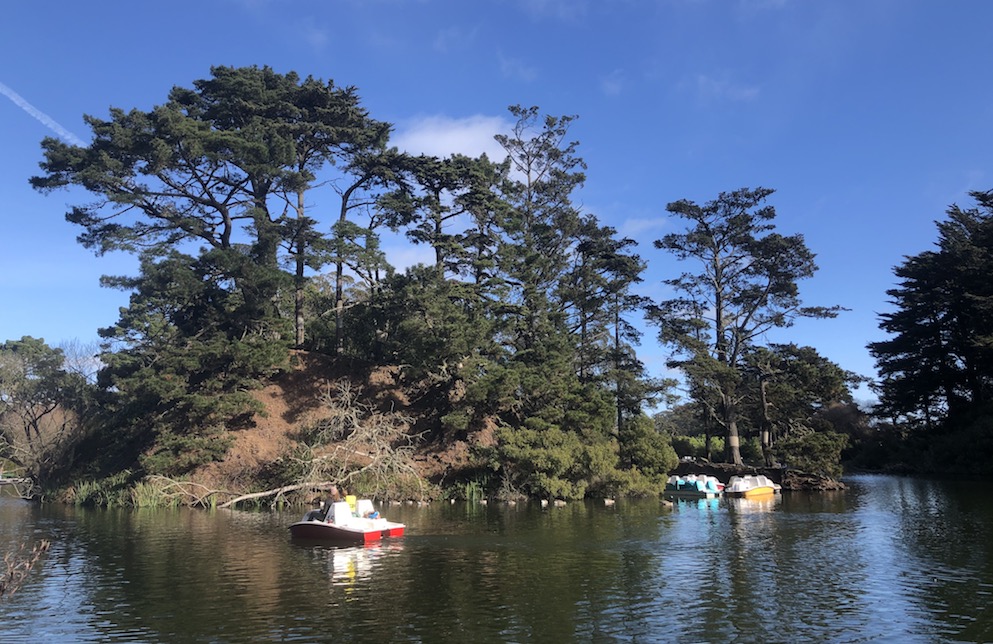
{"x": 745, "y": 284}
{"x": 257, "y": 202}
{"x": 938, "y": 362}
{"x": 43, "y": 407}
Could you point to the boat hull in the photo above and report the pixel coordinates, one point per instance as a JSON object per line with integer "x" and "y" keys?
{"x": 751, "y": 486}
{"x": 375, "y": 530}
{"x": 751, "y": 493}
{"x": 693, "y": 487}
{"x": 690, "y": 494}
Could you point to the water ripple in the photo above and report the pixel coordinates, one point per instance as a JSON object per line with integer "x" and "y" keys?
{"x": 856, "y": 567}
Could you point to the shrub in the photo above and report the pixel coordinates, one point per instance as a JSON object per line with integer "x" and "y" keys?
{"x": 644, "y": 448}
{"x": 814, "y": 452}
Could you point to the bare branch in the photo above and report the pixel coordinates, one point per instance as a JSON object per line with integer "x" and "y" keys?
{"x": 17, "y": 565}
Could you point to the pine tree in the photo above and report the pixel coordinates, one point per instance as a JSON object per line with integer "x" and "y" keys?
{"x": 746, "y": 286}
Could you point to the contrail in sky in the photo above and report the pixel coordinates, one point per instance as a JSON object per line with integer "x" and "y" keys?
{"x": 45, "y": 119}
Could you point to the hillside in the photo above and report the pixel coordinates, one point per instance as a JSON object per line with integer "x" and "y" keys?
{"x": 292, "y": 403}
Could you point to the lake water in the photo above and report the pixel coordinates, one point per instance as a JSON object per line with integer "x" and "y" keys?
{"x": 889, "y": 559}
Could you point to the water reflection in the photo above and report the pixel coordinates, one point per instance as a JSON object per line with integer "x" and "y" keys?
{"x": 759, "y": 504}
{"x": 681, "y": 504}
{"x": 349, "y": 564}
{"x": 889, "y": 559}
{"x": 940, "y": 541}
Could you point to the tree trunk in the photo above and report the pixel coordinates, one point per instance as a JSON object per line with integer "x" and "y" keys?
{"x": 298, "y": 302}
{"x": 299, "y": 278}
{"x": 733, "y": 447}
{"x": 766, "y": 425}
{"x": 617, "y": 360}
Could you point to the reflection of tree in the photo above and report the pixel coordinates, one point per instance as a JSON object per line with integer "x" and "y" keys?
{"x": 946, "y": 535}
{"x": 17, "y": 565}
{"x": 543, "y": 572}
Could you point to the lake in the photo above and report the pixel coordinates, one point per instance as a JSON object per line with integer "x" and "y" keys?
{"x": 889, "y": 559}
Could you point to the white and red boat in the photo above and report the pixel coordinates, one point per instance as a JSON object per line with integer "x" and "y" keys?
{"x": 342, "y": 523}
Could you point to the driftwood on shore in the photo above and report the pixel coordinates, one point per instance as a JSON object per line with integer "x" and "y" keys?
{"x": 275, "y": 493}
{"x": 23, "y": 487}
{"x": 196, "y": 494}
{"x": 789, "y": 478}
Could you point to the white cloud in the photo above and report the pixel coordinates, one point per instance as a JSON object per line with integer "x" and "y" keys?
{"x": 613, "y": 83}
{"x": 443, "y": 136}
{"x": 45, "y": 119}
{"x": 516, "y": 68}
{"x": 317, "y": 37}
{"x": 403, "y": 254}
{"x": 713, "y": 88}
{"x": 454, "y": 38}
{"x": 567, "y": 10}
{"x": 639, "y": 227}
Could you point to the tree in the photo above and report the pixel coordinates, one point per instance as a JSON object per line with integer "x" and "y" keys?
{"x": 795, "y": 386}
{"x": 939, "y": 360}
{"x": 747, "y": 286}
{"x": 432, "y": 196}
{"x": 644, "y": 447}
{"x": 43, "y": 407}
{"x": 560, "y": 321}
{"x": 179, "y": 369}
{"x": 596, "y": 293}
{"x": 353, "y": 245}
{"x": 540, "y": 223}
{"x": 220, "y": 166}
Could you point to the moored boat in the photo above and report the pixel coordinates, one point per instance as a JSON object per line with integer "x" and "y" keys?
{"x": 342, "y": 523}
{"x": 693, "y": 486}
{"x": 751, "y": 485}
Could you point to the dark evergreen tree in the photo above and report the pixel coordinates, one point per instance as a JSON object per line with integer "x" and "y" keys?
{"x": 356, "y": 246}
{"x": 939, "y": 361}
{"x": 178, "y": 371}
{"x": 563, "y": 283}
{"x": 790, "y": 388}
{"x": 220, "y": 166}
{"x": 597, "y": 295}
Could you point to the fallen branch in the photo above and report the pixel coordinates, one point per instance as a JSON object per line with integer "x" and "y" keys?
{"x": 186, "y": 490}
{"x": 18, "y": 566}
{"x": 276, "y": 492}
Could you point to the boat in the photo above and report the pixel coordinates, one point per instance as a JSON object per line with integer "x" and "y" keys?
{"x": 345, "y": 522}
{"x": 751, "y": 485}
{"x": 693, "y": 486}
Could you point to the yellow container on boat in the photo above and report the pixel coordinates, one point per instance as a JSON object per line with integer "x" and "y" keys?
{"x": 350, "y": 499}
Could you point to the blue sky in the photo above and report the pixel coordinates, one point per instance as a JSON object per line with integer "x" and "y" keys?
{"x": 868, "y": 117}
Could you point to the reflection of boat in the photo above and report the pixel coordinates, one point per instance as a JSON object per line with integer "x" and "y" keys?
{"x": 754, "y": 504}
{"x": 680, "y": 503}
{"x": 343, "y": 524}
{"x": 751, "y": 485}
{"x": 350, "y": 563}
{"x": 693, "y": 486}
